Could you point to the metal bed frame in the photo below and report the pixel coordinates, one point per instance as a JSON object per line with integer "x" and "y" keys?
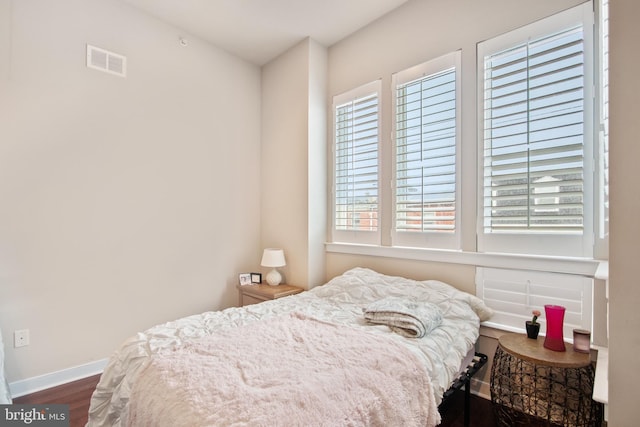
{"x": 464, "y": 380}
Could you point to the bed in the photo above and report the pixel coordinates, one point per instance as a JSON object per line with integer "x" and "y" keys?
{"x": 307, "y": 359}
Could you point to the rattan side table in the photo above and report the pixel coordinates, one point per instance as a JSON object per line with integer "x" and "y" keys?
{"x": 534, "y": 386}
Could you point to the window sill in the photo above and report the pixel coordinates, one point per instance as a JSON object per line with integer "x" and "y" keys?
{"x": 494, "y": 330}
{"x": 580, "y": 266}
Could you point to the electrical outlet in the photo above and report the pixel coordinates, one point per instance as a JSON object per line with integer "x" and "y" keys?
{"x": 21, "y": 338}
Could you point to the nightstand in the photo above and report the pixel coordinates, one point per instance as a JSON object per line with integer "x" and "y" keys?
{"x": 535, "y": 386}
{"x": 253, "y": 294}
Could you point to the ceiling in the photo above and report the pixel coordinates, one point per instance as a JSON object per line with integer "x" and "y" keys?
{"x": 260, "y": 30}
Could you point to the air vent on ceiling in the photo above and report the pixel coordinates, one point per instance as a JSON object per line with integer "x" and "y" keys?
{"x": 106, "y": 61}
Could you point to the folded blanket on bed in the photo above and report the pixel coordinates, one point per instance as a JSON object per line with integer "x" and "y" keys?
{"x": 409, "y": 318}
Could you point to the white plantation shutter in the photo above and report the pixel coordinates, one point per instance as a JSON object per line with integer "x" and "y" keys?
{"x": 603, "y": 133}
{"x": 356, "y": 125}
{"x": 426, "y": 131}
{"x": 514, "y": 294}
{"x": 534, "y": 135}
{"x": 537, "y": 136}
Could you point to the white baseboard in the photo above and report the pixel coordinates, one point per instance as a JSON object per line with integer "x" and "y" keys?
{"x": 52, "y": 379}
{"x": 480, "y": 388}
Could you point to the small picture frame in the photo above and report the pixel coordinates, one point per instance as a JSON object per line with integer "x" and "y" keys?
{"x": 245, "y": 279}
{"x": 256, "y": 278}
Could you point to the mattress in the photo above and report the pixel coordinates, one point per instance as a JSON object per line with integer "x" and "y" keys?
{"x": 340, "y": 302}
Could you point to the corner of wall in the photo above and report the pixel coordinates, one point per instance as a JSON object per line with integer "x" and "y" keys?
{"x": 293, "y": 160}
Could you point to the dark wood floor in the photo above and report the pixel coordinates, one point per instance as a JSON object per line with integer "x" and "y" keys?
{"x": 78, "y": 393}
{"x": 453, "y": 413}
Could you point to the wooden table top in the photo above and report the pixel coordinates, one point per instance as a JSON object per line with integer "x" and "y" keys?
{"x": 268, "y": 291}
{"x": 534, "y": 351}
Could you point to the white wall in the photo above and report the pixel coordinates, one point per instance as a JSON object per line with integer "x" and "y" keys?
{"x": 624, "y": 269}
{"x": 317, "y": 163}
{"x": 294, "y": 184}
{"x": 124, "y": 202}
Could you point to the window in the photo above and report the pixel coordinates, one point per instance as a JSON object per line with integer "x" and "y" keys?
{"x": 537, "y": 138}
{"x": 426, "y": 131}
{"x": 538, "y": 185}
{"x": 356, "y": 146}
{"x": 534, "y": 180}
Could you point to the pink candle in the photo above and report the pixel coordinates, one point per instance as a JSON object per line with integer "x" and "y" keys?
{"x": 582, "y": 340}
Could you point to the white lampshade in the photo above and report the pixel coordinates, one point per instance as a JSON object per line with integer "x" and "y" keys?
{"x": 272, "y": 257}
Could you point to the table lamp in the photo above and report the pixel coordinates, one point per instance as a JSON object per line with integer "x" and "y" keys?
{"x": 272, "y": 257}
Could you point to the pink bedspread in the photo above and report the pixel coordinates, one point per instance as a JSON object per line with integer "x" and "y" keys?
{"x": 285, "y": 371}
